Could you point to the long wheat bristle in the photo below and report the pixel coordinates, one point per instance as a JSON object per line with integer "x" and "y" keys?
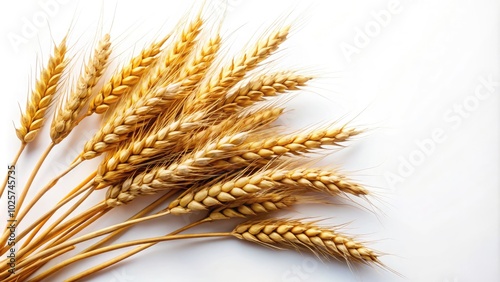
{"x": 307, "y": 236}
{"x": 67, "y": 115}
{"x": 42, "y": 95}
{"x": 263, "y": 86}
{"x": 218, "y": 86}
{"x": 125, "y": 79}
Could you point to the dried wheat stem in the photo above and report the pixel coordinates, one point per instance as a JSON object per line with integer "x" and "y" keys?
{"x": 195, "y": 166}
{"x": 123, "y": 245}
{"x": 140, "y": 214}
{"x": 44, "y": 236}
{"x": 44, "y": 190}
{"x": 66, "y": 117}
{"x": 84, "y": 238}
{"x": 125, "y": 79}
{"x": 14, "y": 162}
{"x": 42, "y": 95}
{"x": 296, "y": 234}
{"x": 212, "y": 91}
{"x": 263, "y": 86}
{"x": 128, "y": 254}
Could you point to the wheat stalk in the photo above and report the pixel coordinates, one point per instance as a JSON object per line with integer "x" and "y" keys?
{"x": 42, "y": 95}
{"x": 66, "y": 117}
{"x": 296, "y": 234}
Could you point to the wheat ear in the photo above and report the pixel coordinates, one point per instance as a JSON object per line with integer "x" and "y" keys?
{"x": 263, "y": 86}
{"x": 42, "y": 95}
{"x": 296, "y": 234}
{"x": 66, "y": 117}
{"x": 174, "y": 56}
{"x": 217, "y": 87}
{"x": 261, "y": 204}
{"x": 322, "y": 180}
{"x": 266, "y": 149}
{"x": 125, "y": 79}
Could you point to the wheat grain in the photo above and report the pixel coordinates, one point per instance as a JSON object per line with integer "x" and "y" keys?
{"x": 296, "y": 234}
{"x": 126, "y": 78}
{"x": 42, "y": 95}
{"x": 67, "y": 115}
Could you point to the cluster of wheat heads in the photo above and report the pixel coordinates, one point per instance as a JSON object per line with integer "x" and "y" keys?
{"x": 190, "y": 129}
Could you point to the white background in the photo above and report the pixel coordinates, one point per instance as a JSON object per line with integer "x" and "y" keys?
{"x": 437, "y": 219}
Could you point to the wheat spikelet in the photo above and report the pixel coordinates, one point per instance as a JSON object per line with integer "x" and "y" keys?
{"x": 218, "y": 86}
{"x": 67, "y": 115}
{"x": 296, "y": 234}
{"x": 42, "y": 95}
{"x": 256, "y": 205}
{"x": 125, "y": 79}
{"x": 263, "y": 86}
{"x": 195, "y": 166}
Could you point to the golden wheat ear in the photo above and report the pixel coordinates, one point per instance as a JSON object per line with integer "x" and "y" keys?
{"x": 42, "y": 96}
{"x": 66, "y": 117}
{"x": 300, "y": 235}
